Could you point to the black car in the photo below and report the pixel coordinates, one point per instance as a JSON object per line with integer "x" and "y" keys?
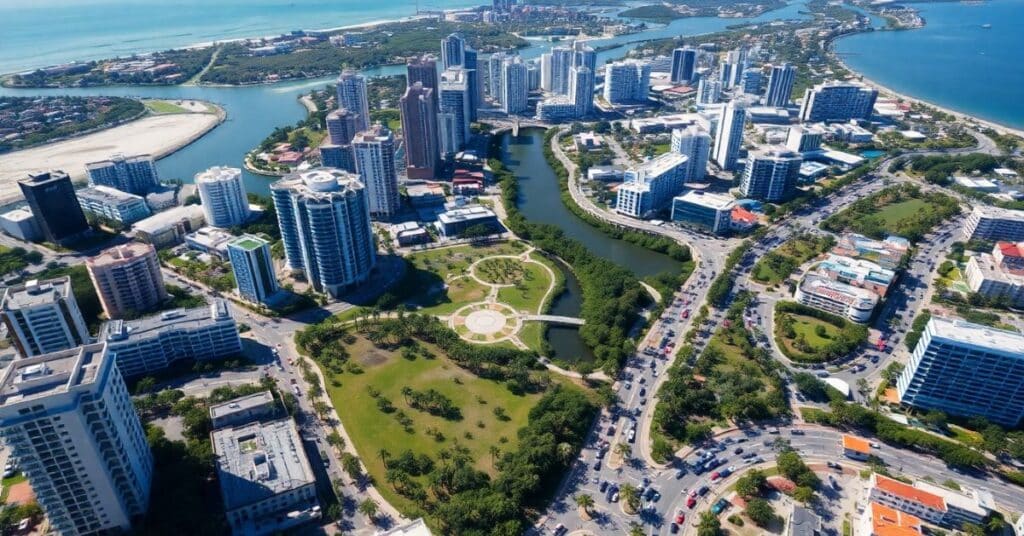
{"x": 673, "y": 528}
{"x": 604, "y": 486}
{"x": 739, "y": 450}
{"x": 597, "y": 465}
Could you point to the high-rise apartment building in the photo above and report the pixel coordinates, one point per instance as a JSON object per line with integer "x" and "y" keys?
{"x": 561, "y": 62}
{"x": 324, "y": 217}
{"x": 453, "y": 50}
{"x": 495, "y": 67}
{"x": 546, "y": 73}
{"x": 729, "y": 136}
{"x": 43, "y": 316}
{"x": 581, "y": 90}
{"x": 153, "y": 343}
{"x": 750, "y": 82}
{"x": 684, "y": 61}
{"x": 966, "y": 369}
{"x": 374, "y": 152}
{"x": 127, "y": 279}
{"x": 454, "y": 118}
{"x": 709, "y": 90}
{"x": 771, "y": 175}
{"x": 424, "y": 71}
{"x": 456, "y": 53}
{"x": 651, "y": 186}
{"x": 131, "y": 174}
{"x": 780, "y": 85}
{"x": 51, "y": 197}
{"x": 515, "y": 86}
{"x": 351, "y": 94}
{"x": 837, "y": 101}
{"x": 342, "y": 126}
{"x": 695, "y": 144}
{"x": 113, "y": 204}
{"x": 419, "y": 128}
{"x": 222, "y": 194}
{"x": 994, "y": 223}
{"x": 69, "y": 421}
{"x": 253, "y": 267}
{"x": 627, "y": 82}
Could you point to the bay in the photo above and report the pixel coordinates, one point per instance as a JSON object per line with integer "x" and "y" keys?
{"x": 953, "y": 61}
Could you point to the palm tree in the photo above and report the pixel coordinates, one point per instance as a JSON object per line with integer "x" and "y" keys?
{"x": 585, "y": 502}
{"x": 630, "y": 495}
{"x": 369, "y": 509}
{"x": 495, "y": 452}
{"x": 406, "y": 392}
{"x": 624, "y": 450}
{"x": 565, "y": 452}
{"x": 635, "y": 529}
{"x": 384, "y": 456}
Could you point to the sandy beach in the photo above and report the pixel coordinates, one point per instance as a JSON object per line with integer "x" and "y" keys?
{"x": 157, "y": 135}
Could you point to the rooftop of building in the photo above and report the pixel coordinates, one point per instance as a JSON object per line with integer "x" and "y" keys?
{"x": 963, "y": 332}
{"x": 708, "y": 199}
{"x": 117, "y": 159}
{"x": 978, "y": 501}
{"x": 106, "y": 194}
{"x": 182, "y": 319}
{"x": 887, "y": 521}
{"x": 468, "y": 213}
{"x": 248, "y": 242}
{"x": 891, "y": 242}
{"x": 776, "y": 152}
{"x": 18, "y": 215}
{"x": 908, "y": 492}
{"x": 58, "y": 372}
{"x": 43, "y": 177}
{"x": 993, "y": 212}
{"x": 804, "y": 522}
{"x": 661, "y": 164}
{"x": 319, "y": 182}
{"x": 162, "y": 220}
{"x": 209, "y": 236}
{"x": 120, "y": 254}
{"x": 417, "y": 527}
{"x": 218, "y": 173}
{"x": 260, "y": 460}
{"x": 36, "y": 292}
{"x": 841, "y": 292}
{"x": 856, "y": 444}
{"x": 241, "y": 403}
{"x": 861, "y": 268}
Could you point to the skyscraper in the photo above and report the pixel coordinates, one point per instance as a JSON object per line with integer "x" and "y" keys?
{"x": 515, "y": 86}
{"x": 581, "y": 90}
{"x": 750, "y": 82}
{"x": 583, "y": 55}
{"x": 729, "y": 137}
{"x": 127, "y": 279}
{"x": 495, "y": 72}
{"x": 225, "y": 203}
{"x": 626, "y": 81}
{"x": 771, "y": 175}
{"x": 695, "y": 144}
{"x": 43, "y": 316}
{"x": 780, "y": 85}
{"x": 684, "y": 61}
{"x": 419, "y": 128}
{"x": 709, "y": 90}
{"x": 342, "y": 126}
{"x": 69, "y": 421}
{"x": 424, "y": 71}
{"x": 453, "y": 121}
{"x": 545, "y": 72}
{"x": 561, "y": 62}
{"x": 453, "y": 49}
{"x": 131, "y": 174}
{"x": 253, "y": 268}
{"x": 732, "y": 68}
{"x": 324, "y": 218}
{"x": 352, "y": 96}
{"x": 51, "y": 196}
{"x": 837, "y": 101}
{"x": 374, "y": 152}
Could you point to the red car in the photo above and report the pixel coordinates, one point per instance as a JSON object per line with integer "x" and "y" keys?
{"x": 680, "y": 517}
{"x": 686, "y": 313}
{"x": 690, "y": 502}
{"x": 715, "y": 476}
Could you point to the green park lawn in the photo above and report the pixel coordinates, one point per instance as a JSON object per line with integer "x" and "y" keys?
{"x": 532, "y": 335}
{"x": 388, "y": 372}
{"x": 807, "y": 326}
{"x": 529, "y": 290}
{"x": 777, "y": 266}
{"x": 897, "y": 212}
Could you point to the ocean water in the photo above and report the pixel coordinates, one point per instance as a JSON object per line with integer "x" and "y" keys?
{"x": 36, "y": 33}
{"x": 953, "y": 61}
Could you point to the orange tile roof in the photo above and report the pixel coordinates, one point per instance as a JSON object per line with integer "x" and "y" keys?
{"x": 887, "y": 521}
{"x": 909, "y": 493}
{"x": 741, "y": 214}
{"x": 856, "y": 444}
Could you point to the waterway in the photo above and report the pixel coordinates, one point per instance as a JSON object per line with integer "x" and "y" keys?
{"x": 953, "y": 61}
{"x": 254, "y": 111}
{"x": 540, "y": 201}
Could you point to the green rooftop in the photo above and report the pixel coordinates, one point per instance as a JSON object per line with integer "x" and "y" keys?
{"x": 248, "y": 242}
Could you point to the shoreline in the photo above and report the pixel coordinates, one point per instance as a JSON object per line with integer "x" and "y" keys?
{"x": 146, "y": 133}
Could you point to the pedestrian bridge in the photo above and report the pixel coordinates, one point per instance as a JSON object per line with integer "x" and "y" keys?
{"x": 554, "y": 319}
